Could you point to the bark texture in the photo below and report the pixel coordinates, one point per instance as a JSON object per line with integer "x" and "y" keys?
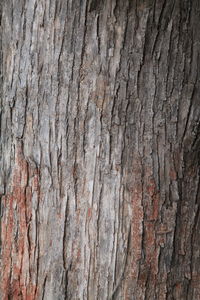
{"x": 100, "y": 147}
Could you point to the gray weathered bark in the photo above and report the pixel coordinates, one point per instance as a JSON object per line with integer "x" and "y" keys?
{"x": 100, "y": 142}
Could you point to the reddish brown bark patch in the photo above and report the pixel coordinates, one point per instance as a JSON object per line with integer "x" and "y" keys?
{"x": 145, "y": 246}
{"x": 16, "y": 282}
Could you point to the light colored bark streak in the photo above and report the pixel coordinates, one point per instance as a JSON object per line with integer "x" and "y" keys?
{"x": 99, "y": 150}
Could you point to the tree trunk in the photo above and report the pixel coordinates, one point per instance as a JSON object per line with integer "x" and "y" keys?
{"x": 100, "y": 140}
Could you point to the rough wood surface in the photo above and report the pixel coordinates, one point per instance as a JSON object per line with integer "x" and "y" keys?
{"x": 100, "y": 147}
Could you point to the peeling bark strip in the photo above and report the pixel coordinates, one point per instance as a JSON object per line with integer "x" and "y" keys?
{"x": 100, "y": 139}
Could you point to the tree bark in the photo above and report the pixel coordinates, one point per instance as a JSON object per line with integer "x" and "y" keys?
{"x": 100, "y": 141}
